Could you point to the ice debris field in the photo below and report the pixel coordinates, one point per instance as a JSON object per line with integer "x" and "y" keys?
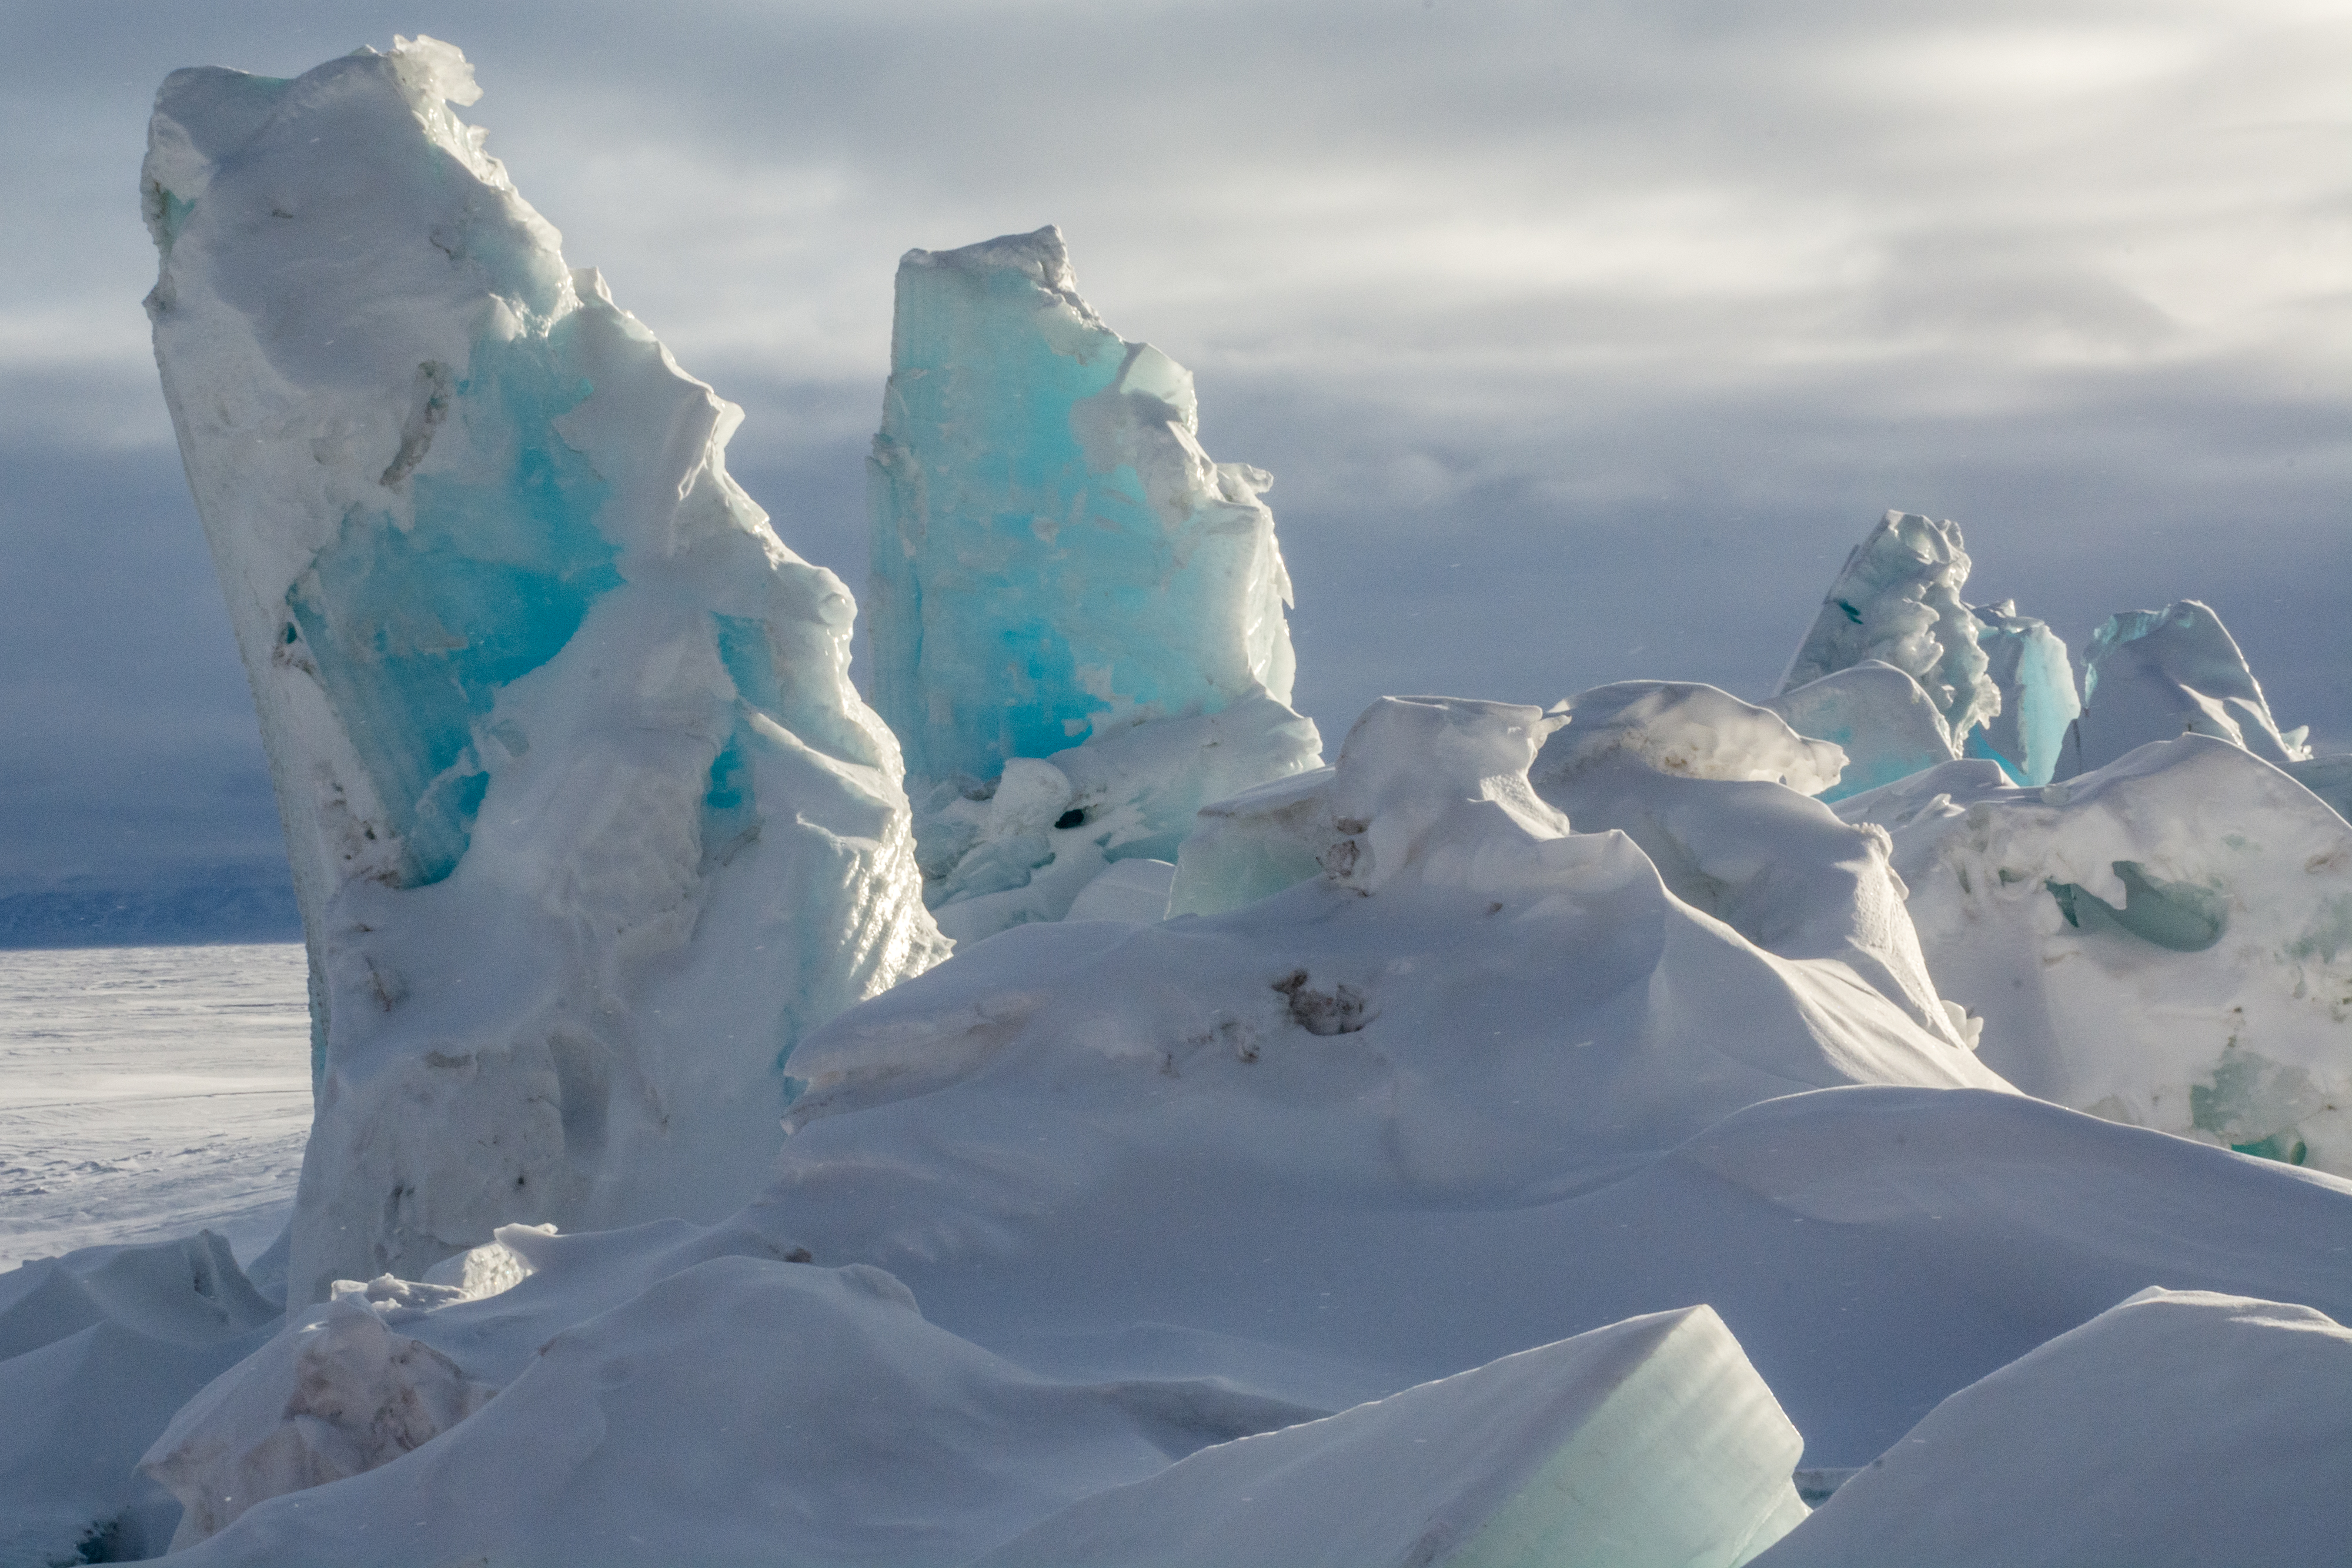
{"x": 1069, "y": 1113}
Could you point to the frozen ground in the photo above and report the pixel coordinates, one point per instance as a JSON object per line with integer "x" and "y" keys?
{"x": 147, "y": 1091}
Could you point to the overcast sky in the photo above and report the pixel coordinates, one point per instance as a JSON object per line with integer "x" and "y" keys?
{"x": 1582, "y": 339}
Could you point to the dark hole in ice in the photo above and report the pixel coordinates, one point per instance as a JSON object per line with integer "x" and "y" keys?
{"x": 1076, "y": 817}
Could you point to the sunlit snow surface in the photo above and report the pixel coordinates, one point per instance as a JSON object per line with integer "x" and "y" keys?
{"x": 145, "y": 1091}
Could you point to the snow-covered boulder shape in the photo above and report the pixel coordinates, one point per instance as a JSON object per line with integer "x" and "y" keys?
{"x": 338, "y": 1396}
{"x": 2151, "y": 675}
{"x": 1649, "y": 1444}
{"x": 586, "y": 820}
{"x": 2180, "y": 1426}
{"x": 1056, "y": 562}
{"x": 1880, "y": 718}
{"x": 726, "y": 1408}
{"x": 97, "y": 1349}
{"x": 1897, "y": 600}
{"x": 1779, "y": 869}
{"x": 2027, "y": 663}
{"x": 1690, "y": 731}
{"x": 2167, "y": 941}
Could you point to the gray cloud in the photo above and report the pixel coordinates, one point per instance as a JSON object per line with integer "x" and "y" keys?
{"x": 1639, "y": 313}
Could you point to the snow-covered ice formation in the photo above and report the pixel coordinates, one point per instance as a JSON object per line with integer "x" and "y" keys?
{"x": 2179, "y": 1427}
{"x": 2166, "y": 941}
{"x": 1061, "y": 574}
{"x": 1897, "y": 600}
{"x": 1648, "y": 1444}
{"x": 1691, "y": 731}
{"x": 1882, "y": 719}
{"x": 94, "y": 1348}
{"x": 2151, "y": 675}
{"x": 586, "y": 822}
{"x": 2027, "y": 662}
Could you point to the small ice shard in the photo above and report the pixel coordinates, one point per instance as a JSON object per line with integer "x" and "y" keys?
{"x": 2179, "y": 1427}
{"x": 340, "y": 1395}
{"x": 1879, "y": 716}
{"x": 1897, "y": 600}
{"x": 1690, "y": 731}
{"x": 2027, "y": 660}
{"x": 2151, "y": 675}
{"x": 586, "y": 820}
{"x": 1058, "y": 568}
{"x": 2165, "y": 942}
{"x": 1651, "y": 1442}
{"x": 1254, "y": 845}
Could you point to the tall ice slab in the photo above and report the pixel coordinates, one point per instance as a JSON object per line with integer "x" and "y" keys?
{"x": 586, "y": 822}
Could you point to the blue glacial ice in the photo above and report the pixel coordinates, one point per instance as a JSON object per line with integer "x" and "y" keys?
{"x": 586, "y": 822}
{"x": 2027, "y": 663}
{"x": 1061, "y": 575}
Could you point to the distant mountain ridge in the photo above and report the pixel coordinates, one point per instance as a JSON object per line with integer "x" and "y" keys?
{"x": 236, "y": 904}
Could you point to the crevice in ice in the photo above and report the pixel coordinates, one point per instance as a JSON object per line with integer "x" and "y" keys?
{"x": 2176, "y": 916}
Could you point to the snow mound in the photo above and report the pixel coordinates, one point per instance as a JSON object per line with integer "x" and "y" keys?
{"x": 2166, "y": 941}
{"x": 2151, "y": 675}
{"x": 1880, "y": 717}
{"x": 735, "y": 1409}
{"x": 1897, "y": 600}
{"x": 1650, "y": 1442}
{"x": 1691, "y": 731}
{"x": 2027, "y": 663}
{"x": 586, "y": 822}
{"x": 97, "y": 1349}
{"x": 1061, "y": 573}
{"x": 2180, "y": 1426}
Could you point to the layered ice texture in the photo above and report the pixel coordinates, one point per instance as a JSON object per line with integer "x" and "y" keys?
{"x": 1062, "y": 576}
{"x": 2028, "y": 662}
{"x": 2166, "y": 941}
{"x": 586, "y": 822}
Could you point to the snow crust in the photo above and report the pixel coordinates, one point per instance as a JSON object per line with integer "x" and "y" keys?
{"x": 2166, "y": 941}
{"x": 1062, "y": 574}
{"x": 1649, "y": 1442}
{"x": 2150, "y": 674}
{"x": 587, "y": 824}
{"x": 2178, "y": 1426}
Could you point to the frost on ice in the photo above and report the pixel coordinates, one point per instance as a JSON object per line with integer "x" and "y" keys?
{"x": 1062, "y": 578}
{"x": 586, "y": 822}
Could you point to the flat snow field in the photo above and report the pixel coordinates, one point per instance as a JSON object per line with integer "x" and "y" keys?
{"x": 148, "y": 1091}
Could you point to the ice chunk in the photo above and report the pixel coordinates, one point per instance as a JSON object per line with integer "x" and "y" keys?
{"x": 2167, "y": 941}
{"x": 1897, "y": 600}
{"x": 2027, "y": 660}
{"x": 1689, "y": 731}
{"x": 1649, "y": 1442}
{"x": 2151, "y": 675}
{"x": 2180, "y": 1426}
{"x": 1058, "y": 565}
{"x": 1254, "y": 845}
{"x": 338, "y": 1396}
{"x": 1879, "y": 716}
{"x": 586, "y": 822}
{"x": 1022, "y": 848}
